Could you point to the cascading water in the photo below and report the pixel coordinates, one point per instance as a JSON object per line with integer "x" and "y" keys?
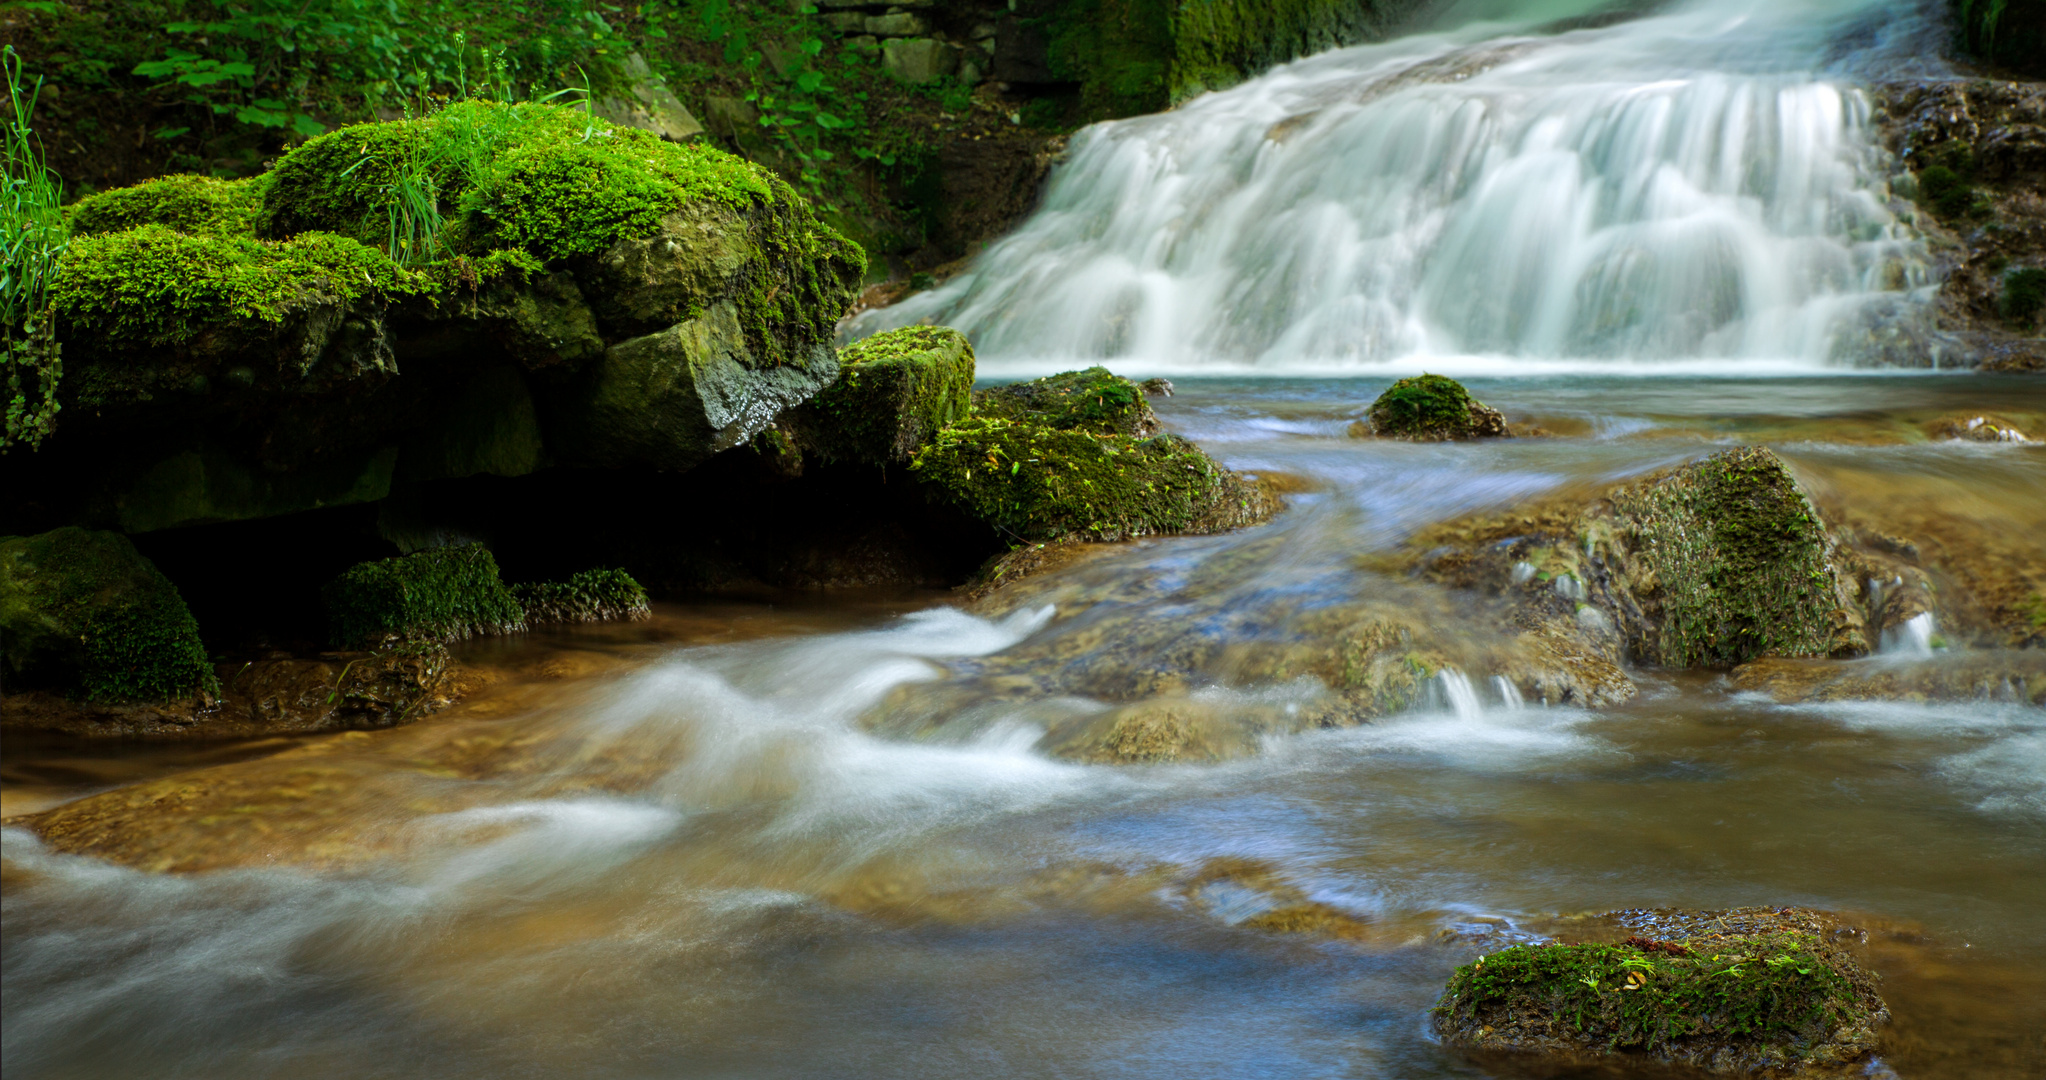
{"x": 1697, "y": 186}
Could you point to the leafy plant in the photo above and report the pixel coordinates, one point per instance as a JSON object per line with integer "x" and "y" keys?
{"x": 34, "y": 235}
{"x": 2024, "y": 293}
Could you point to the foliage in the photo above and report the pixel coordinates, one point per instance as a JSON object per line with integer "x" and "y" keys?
{"x": 588, "y": 596}
{"x": 441, "y": 594}
{"x": 1948, "y": 193}
{"x": 2024, "y": 293}
{"x": 2007, "y": 32}
{"x": 33, "y": 235}
{"x": 85, "y": 611}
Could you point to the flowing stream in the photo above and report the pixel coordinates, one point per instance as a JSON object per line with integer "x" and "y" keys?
{"x": 837, "y": 837}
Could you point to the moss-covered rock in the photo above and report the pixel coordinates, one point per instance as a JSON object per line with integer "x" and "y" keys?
{"x": 437, "y": 595}
{"x": 1708, "y": 564}
{"x": 588, "y": 596}
{"x": 84, "y": 613}
{"x": 187, "y": 203}
{"x": 1036, "y": 483}
{"x": 1431, "y": 408}
{"x": 894, "y": 392}
{"x": 1094, "y": 400}
{"x": 1755, "y": 991}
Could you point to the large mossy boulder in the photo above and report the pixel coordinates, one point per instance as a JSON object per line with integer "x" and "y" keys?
{"x": 1709, "y": 564}
{"x": 1431, "y": 408}
{"x": 85, "y": 614}
{"x": 895, "y": 391}
{"x": 1748, "y": 992}
{"x": 287, "y": 342}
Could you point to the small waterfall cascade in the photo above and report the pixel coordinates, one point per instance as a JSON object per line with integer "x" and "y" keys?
{"x": 1698, "y": 187}
{"x": 1454, "y": 691}
{"x": 1915, "y": 636}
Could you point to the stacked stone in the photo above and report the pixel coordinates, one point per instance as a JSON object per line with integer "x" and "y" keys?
{"x": 912, "y": 48}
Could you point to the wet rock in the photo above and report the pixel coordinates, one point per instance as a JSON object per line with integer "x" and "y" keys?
{"x": 590, "y": 596}
{"x": 441, "y": 594}
{"x": 2017, "y": 675}
{"x": 336, "y": 692}
{"x": 1746, "y": 992}
{"x": 918, "y": 60}
{"x": 1975, "y": 151}
{"x": 1430, "y": 408}
{"x": 1708, "y": 564}
{"x": 83, "y": 613}
{"x": 894, "y": 392}
{"x": 1977, "y": 428}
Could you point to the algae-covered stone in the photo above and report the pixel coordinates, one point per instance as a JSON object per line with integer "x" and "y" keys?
{"x": 85, "y": 613}
{"x": 1754, "y": 991}
{"x": 1036, "y": 483}
{"x": 193, "y": 204}
{"x": 894, "y": 392}
{"x": 1708, "y": 564}
{"x": 1432, "y": 408}
{"x": 1093, "y": 400}
{"x": 588, "y": 596}
{"x": 442, "y": 594}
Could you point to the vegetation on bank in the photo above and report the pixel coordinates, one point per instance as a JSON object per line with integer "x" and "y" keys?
{"x": 2007, "y": 33}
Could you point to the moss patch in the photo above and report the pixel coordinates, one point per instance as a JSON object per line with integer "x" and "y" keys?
{"x": 895, "y": 391}
{"x": 1094, "y": 400}
{"x": 154, "y": 286}
{"x": 1035, "y": 483}
{"x": 1772, "y": 994}
{"x": 1432, "y": 408}
{"x": 589, "y": 596}
{"x": 442, "y": 594}
{"x": 84, "y": 612}
{"x": 2024, "y": 294}
{"x": 1738, "y": 557}
{"x": 193, "y": 204}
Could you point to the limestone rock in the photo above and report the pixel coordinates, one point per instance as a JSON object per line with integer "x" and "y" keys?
{"x": 648, "y": 105}
{"x": 1430, "y": 408}
{"x": 918, "y": 60}
{"x": 895, "y": 391}
{"x": 1093, "y": 400}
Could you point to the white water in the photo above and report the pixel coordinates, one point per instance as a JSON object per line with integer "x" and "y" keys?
{"x": 1694, "y": 191}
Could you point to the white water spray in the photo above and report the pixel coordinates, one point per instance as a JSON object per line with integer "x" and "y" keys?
{"x": 1686, "y": 188}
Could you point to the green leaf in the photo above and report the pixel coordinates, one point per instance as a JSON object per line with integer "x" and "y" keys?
{"x": 307, "y": 126}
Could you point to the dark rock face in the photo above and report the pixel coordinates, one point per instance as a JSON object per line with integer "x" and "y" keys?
{"x": 1772, "y": 992}
{"x": 1976, "y": 152}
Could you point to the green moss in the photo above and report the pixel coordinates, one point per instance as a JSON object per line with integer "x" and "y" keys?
{"x": 85, "y": 612}
{"x": 1738, "y": 555}
{"x": 1432, "y": 407}
{"x": 1035, "y": 483}
{"x": 895, "y": 390}
{"x": 193, "y": 204}
{"x": 1094, "y": 400}
{"x": 1778, "y": 997}
{"x": 589, "y": 596}
{"x": 2024, "y": 293}
{"x": 2011, "y": 33}
{"x": 154, "y": 286}
{"x": 442, "y": 594}
{"x": 1947, "y": 192}
{"x": 1219, "y": 43}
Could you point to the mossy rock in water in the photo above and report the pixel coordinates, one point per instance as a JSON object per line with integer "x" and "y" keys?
{"x": 187, "y": 203}
{"x": 1094, "y": 400}
{"x": 83, "y": 612}
{"x": 1035, "y": 483}
{"x": 588, "y": 596}
{"x": 441, "y": 594}
{"x": 894, "y": 392}
{"x": 1432, "y": 408}
{"x": 1709, "y": 564}
{"x": 1748, "y": 992}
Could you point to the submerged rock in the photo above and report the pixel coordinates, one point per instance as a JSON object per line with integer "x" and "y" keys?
{"x": 1430, "y": 408}
{"x": 85, "y": 614}
{"x": 1747, "y": 992}
{"x": 2014, "y": 675}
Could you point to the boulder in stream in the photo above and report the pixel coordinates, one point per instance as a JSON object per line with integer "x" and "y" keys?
{"x": 895, "y": 391}
{"x": 1430, "y": 408}
{"x": 1748, "y": 992}
{"x": 83, "y": 613}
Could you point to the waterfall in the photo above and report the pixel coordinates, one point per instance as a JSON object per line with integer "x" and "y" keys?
{"x": 1453, "y": 689}
{"x": 1914, "y": 636}
{"x": 1695, "y": 188}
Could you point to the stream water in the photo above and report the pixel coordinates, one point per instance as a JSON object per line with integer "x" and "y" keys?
{"x": 834, "y": 837}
